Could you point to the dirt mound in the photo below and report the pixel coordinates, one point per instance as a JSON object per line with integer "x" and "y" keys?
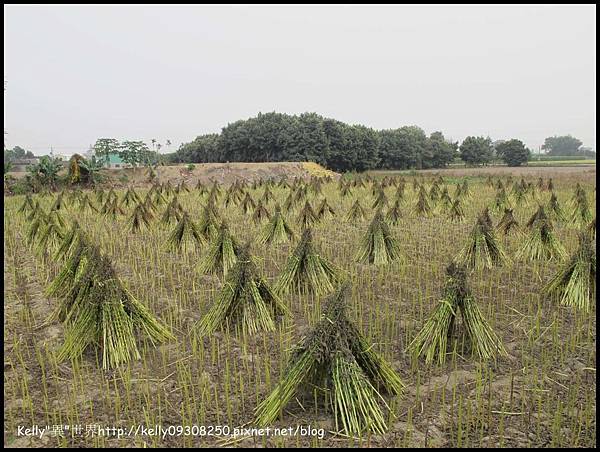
{"x": 224, "y": 173}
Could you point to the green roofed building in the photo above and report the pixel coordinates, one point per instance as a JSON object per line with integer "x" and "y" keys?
{"x": 115, "y": 161}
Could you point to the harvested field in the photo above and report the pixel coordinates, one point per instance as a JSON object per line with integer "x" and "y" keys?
{"x": 587, "y": 172}
{"x": 541, "y": 393}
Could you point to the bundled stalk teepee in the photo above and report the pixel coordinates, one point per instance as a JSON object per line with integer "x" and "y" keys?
{"x": 336, "y": 357}
{"x": 289, "y": 202}
{"x": 73, "y": 195}
{"x": 555, "y": 210}
{"x": 300, "y": 194}
{"x": 324, "y": 210}
{"x": 307, "y": 271}
{"x": 214, "y": 193}
{"x": 36, "y": 212}
{"x": 422, "y": 208}
{"x": 376, "y": 188}
{"x": 100, "y": 194}
{"x": 86, "y": 205}
{"x": 483, "y": 249}
{"x": 267, "y": 196}
{"x": 51, "y": 234}
{"x": 378, "y": 246}
{"x": 148, "y": 204}
{"x": 458, "y": 193}
{"x": 581, "y": 211}
{"x": 345, "y": 190}
{"x": 276, "y": 230}
{"x": 307, "y": 216}
{"x": 222, "y": 253}
{"x": 540, "y": 183}
{"x": 381, "y": 200}
{"x": 401, "y": 187}
{"x": 233, "y": 195}
{"x": 140, "y": 218}
{"x": 445, "y": 200}
{"x": 501, "y": 200}
{"x": 158, "y": 198}
{"x": 520, "y": 194}
{"x": 185, "y": 235}
{"x": 36, "y": 226}
{"x": 434, "y": 193}
{"x": 260, "y": 213}
{"x": 98, "y": 311}
{"x": 465, "y": 189}
{"x": 182, "y": 187}
{"x": 248, "y": 204}
{"x": 541, "y": 243}
{"x": 73, "y": 238}
{"x": 539, "y": 214}
{"x": 315, "y": 185}
{"x": 172, "y": 212}
{"x": 209, "y": 222}
{"x": 56, "y": 217}
{"x": 283, "y": 183}
{"x": 111, "y": 208}
{"x": 58, "y": 202}
{"x": 201, "y": 188}
{"x": 130, "y": 197}
{"x": 433, "y": 340}
{"x": 167, "y": 188}
{"x": 575, "y": 283}
{"x": 507, "y": 223}
{"x": 27, "y": 205}
{"x": 356, "y": 212}
{"x": 245, "y": 302}
{"x": 456, "y": 214}
{"x": 111, "y": 194}
{"x": 394, "y": 214}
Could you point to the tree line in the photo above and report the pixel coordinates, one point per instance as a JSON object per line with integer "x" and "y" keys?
{"x": 275, "y": 137}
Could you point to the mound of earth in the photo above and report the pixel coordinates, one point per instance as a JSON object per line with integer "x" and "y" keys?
{"x": 224, "y": 173}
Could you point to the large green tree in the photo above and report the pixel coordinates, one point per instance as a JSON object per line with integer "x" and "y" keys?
{"x": 106, "y": 146}
{"x": 513, "y": 152}
{"x": 441, "y": 152}
{"x": 476, "y": 150}
{"x": 403, "y": 148}
{"x": 562, "y": 145}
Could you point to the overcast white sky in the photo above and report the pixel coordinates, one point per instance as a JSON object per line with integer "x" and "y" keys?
{"x": 77, "y": 73}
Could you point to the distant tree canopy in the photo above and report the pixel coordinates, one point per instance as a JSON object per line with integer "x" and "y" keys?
{"x": 276, "y": 137}
{"x": 17, "y": 153}
{"x": 513, "y": 152}
{"x": 564, "y": 145}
